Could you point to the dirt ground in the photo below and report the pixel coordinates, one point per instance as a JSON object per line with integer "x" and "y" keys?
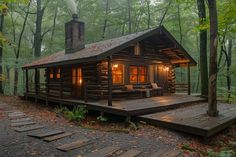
{"x": 149, "y": 136}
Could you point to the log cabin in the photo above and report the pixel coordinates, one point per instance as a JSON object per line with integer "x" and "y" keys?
{"x": 136, "y": 65}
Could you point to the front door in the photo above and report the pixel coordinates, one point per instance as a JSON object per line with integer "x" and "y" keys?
{"x": 77, "y": 82}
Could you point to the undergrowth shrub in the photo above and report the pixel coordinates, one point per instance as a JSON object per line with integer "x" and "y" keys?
{"x": 223, "y": 153}
{"x": 76, "y": 114}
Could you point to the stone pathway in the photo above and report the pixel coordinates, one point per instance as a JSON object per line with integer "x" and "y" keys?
{"x": 21, "y": 135}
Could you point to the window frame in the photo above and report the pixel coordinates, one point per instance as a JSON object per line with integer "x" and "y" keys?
{"x": 122, "y": 75}
{"x": 138, "y": 74}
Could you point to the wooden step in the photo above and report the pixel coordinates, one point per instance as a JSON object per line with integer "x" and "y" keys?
{"x": 46, "y": 134}
{"x": 166, "y": 153}
{"x": 22, "y": 123}
{"x": 29, "y": 128}
{"x": 57, "y": 137}
{"x": 17, "y": 117}
{"x": 107, "y": 151}
{"x": 74, "y": 145}
{"x": 21, "y": 120}
{"x": 131, "y": 153}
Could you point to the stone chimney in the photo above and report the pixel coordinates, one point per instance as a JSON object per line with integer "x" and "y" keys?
{"x": 74, "y": 35}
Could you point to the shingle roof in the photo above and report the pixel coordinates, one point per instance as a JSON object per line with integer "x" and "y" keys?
{"x": 91, "y": 50}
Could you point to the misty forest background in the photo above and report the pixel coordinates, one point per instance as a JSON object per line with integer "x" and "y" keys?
{"x": 36, "y": 29}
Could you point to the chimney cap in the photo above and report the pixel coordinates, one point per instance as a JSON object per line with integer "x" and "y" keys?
{"x": 75, "y": 16}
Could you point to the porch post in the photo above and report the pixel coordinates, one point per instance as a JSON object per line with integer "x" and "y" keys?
{"x": 109, "y": 81}
{"x": 26, "y": 81}
{"x": 189, "y": 79}
{"x": 36, "y": 80}
{"x": 61, "y": 82}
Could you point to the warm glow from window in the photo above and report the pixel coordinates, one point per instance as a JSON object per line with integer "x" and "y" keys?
{"x": 77, "y": 76}
{"x": 51, "y": 75}
{"x": 58, "y": 74}
{"x": 118, "y": 73}
{"x": 138, "y": 74}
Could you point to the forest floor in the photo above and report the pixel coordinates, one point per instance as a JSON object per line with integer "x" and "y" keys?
{"x": 145, "y": 137}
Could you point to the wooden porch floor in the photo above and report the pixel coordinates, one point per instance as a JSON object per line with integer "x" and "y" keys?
{"x": 193, "y": 119}
{"x": 132, "y": 107}
{"x": 178, "y": 112}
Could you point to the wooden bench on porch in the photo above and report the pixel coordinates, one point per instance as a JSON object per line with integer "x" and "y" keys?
{"x": 141, "y": 90}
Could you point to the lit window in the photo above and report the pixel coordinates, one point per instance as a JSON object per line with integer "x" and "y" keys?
{"x": 77, "y": 76}
{"x": 58, "y": 74}
{"x": 138, "y": 74}
{"x": 118, "y": 73}
{"x": 51, "y": 75}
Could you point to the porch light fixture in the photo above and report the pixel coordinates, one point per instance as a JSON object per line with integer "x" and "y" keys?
{"x": 115, "y": 66}
{"x": 166, "y": 68}
{"x": 80, "y": 81}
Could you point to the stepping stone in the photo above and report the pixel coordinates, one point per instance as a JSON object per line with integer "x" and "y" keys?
{"x": 46, "y": 134}
{"x": 21, "y": 120}
{"x": 107, "y": 151}
{"x": 29, "y": 128}
{"x": 166, "y": 153}
{"x": 17, "y": 117}
{"x": 11, "y": 111}
{"x": 57, "y": 137}
{"x": 74, "y": 145}
{"x": 130, "y": 153}
{"x": 22, "y": 123}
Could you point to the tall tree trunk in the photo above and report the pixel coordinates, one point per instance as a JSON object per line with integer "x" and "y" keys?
{"x": 229, "y": 61}
{"x": 54, "y": 23}
{"x": 16, "y": 72}
{"x": 212, "y": 101}
{"x": 38, "y": 31}
{"x": 203, "y": 49}
{"x": 1, "y": 53}
{"x": 105, "y": 21}
{"x": 129, "y": 16}
{"x": 164, "y": 15}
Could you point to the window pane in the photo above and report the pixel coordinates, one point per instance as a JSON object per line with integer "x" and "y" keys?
{"x": 58, "y": 73}
{"x": 117, "y": 73}
{"x": 51, "y": 73}
{"x": 133, "y": 78}
{"x": 133, "y": 70}
{"x": 138, "y": 74}
{"x": 142, "y": 70}
{"x": 142, "y": 78}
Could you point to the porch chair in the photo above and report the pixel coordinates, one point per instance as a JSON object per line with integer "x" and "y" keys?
{"x": 156, "y": 90}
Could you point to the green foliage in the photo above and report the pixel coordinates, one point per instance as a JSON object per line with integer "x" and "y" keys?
{"x": 102, "y": 118}
{"x": 133, "y": 126}
{"x": 61, "y": 110}
{"x": 76, "y": 114}
{"x": 223, "y": 153}
{"x": 187, "y": 147}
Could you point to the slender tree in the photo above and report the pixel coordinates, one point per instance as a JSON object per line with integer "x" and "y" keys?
{"x": 17, "y": 49}
{"x": 1, "y": 51}
{"x": 212, "y": 102}
{"x": 148, "y": 13}
{"x": 105, "y": 21}
{"x": 129, "y": 16}
{"x": 38, "y": 35}
{"x": 203, "y": 48}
